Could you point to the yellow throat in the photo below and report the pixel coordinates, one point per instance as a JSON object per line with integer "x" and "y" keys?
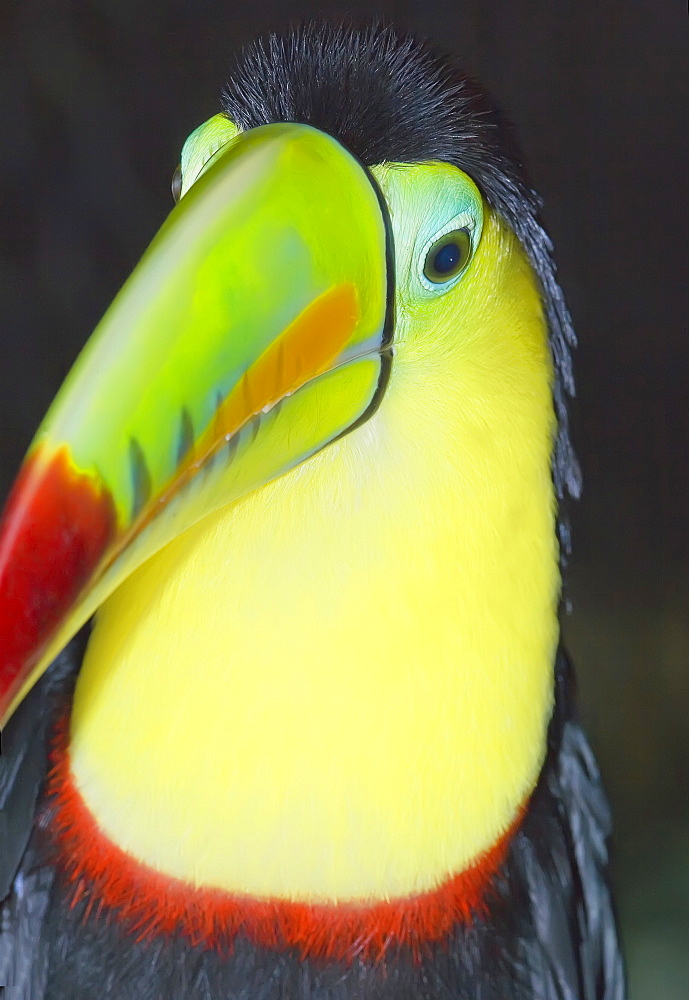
{"x": 338, "y": 688}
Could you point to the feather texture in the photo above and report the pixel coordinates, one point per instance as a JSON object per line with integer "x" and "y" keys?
{"x": 549, "y": 933}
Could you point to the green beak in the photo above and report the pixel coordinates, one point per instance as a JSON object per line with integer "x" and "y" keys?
{"x": 254, "y": 332}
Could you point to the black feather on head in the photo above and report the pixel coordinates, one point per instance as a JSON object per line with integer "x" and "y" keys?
{"x": 390, "y": 97}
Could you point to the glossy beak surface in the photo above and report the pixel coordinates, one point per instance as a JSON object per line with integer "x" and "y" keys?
{"x": 253, "y": 333}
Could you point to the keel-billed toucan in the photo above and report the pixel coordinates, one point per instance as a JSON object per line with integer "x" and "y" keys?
{"x": 319, "y": 742}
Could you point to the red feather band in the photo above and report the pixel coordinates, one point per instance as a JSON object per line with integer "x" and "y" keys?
{"x": 149, "y": 903}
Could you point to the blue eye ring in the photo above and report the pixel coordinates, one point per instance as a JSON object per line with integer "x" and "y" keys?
{"x": 448, "y": 256}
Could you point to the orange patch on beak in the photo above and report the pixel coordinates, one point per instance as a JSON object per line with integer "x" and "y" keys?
{"x": 307, "y": 348}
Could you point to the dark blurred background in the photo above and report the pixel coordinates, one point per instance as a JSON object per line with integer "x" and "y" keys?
{"x": 96, "y": 98}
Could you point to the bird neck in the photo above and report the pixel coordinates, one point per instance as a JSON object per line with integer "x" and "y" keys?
{"x": 339, "y": 688}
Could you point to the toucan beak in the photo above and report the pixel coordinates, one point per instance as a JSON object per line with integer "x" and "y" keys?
{"x": 253, "y": 333}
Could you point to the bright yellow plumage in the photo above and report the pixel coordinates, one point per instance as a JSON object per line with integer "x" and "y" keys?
{"x": 375, "y": 629}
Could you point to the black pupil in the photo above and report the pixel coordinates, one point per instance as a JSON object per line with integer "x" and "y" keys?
{"x": 447, "y": 258}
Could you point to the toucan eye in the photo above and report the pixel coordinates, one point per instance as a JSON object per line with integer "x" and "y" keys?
{"x": 448, "y": 256}
{"x": 176, "y": 183}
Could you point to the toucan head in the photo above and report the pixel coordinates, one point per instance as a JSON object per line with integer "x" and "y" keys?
{"x": 307, "y": 256}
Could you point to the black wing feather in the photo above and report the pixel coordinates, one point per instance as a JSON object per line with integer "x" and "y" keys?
{"x": 26, "y": 883}
{"x": 561, "y": 857}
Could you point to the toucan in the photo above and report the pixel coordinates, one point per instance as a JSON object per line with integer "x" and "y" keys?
{"x": 286, "y": 710}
